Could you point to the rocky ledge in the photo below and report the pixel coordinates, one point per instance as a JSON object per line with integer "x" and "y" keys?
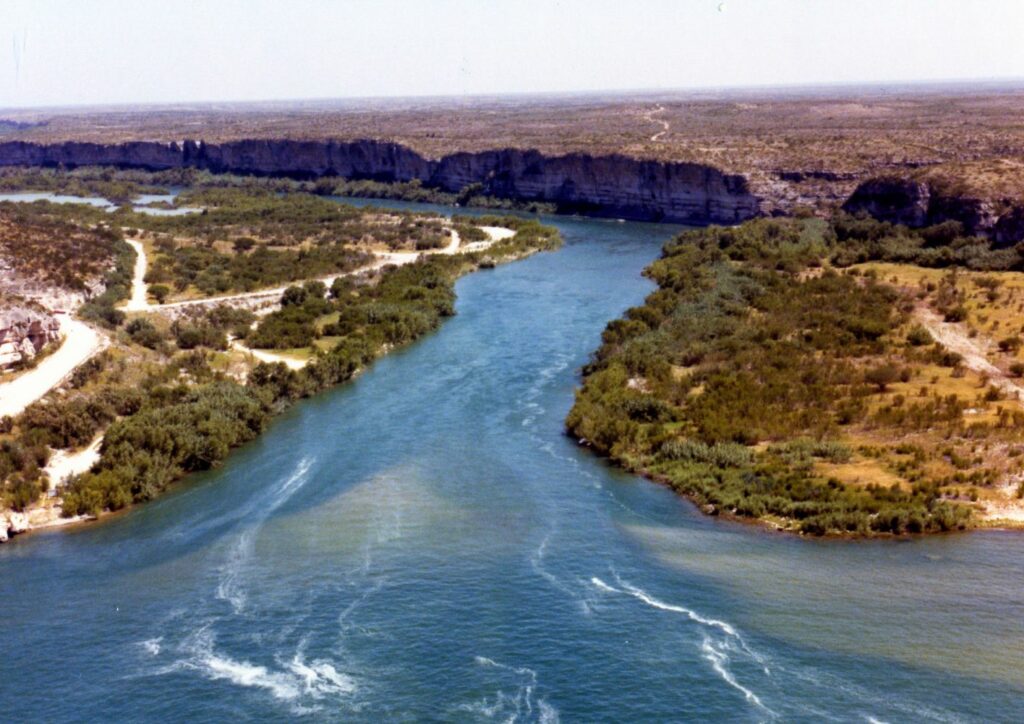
{"x": 12, "y": 524}
{"x": 597, "y": 185}
{"x": 919, "y": 203}
{"x": 24, "y": 333}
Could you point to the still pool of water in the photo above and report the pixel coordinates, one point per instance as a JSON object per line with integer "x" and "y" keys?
{"x": 426, "y": 544}
{"x": 102, "y": 203}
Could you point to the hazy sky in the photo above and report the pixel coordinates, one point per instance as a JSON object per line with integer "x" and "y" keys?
{"x": 62, "y": 52}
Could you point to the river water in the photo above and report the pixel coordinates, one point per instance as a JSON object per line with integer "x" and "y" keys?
{"x": 426, "y": 544}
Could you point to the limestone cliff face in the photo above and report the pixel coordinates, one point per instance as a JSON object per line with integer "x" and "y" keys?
{"x": 920, "y": 203}
{"x": 600, "y": 185}
{"x": 607, "y": 185}
{"x": 24, "y": 333}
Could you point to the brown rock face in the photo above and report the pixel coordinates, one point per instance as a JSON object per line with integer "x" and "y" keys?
{"x": 900, "y": 201}
{"x": 23, "y": 333}
{"x": 598, "y": 185}
{"x": 919, "y": 203}
{"x": 1010, "y": 226}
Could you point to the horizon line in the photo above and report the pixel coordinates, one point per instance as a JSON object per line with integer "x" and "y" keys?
{"x": 915, "y": 85}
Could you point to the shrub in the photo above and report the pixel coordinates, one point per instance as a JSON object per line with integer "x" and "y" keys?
{"x": 882, "y": 376}
{"x": 159, "y": 292}
{"x": 918, "y": 336}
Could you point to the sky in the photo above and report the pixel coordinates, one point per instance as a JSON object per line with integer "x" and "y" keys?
{"x": 69, "y": 52}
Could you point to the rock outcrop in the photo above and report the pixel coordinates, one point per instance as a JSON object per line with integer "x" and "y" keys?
{"x": 919, "y": 203}
{"x": 24, "y": 333}
{"x": 598, "y": 185}
{"x": 11, "y": 524}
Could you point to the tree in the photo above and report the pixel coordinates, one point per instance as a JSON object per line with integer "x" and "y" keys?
{"x": 243, "y": 244}
{"x": 293, "y": 296}
{"x": 159, "y": 292}
{"x": 882, "y": 376}
{"x": 340, "y": 286}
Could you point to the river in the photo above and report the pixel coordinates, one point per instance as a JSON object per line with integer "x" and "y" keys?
{"x": 426, "y": 544}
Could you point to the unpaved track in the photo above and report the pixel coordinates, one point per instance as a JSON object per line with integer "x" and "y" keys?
{"x": 271, "y": 357}
{"x": 64, "y": 464}
{"x": 139, "y": 301}
{"x": 664, "y": 124}
{"x": 954, "y": 338}
{"x": 82, "y": 341}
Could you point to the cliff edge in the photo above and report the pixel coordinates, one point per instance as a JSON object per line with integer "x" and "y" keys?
{"x": 611, "y": 185}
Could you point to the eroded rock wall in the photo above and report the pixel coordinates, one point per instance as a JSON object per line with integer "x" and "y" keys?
{"x": 24, "y": 333}
{"x": 918, "y": 203}
{"x": 600, "y": 185}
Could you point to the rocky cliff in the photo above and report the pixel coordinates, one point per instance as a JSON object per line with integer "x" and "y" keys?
{"x": 23, "y": 334}
{"x": 599, "y": 185}
{"x": 922, "y": 203}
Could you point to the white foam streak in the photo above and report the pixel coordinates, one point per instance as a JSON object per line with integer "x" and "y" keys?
{"x": 713, "y": 653}
{"x": 719, "y": 662}
{"x": 245, "y": 674}
{"x": 548, "y": 713}
{"x": 320, "y": 678}
{"x": 692, "y": 615}
{"x": 723, "y": 626}
{"x": 537, "y": 563}
{"x": 297, "y": 680}
{"x": 229, "y": 587}
{"x": 518, "y": 706}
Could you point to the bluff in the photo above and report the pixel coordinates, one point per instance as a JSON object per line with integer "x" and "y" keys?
{"x": 611, "y": 185}
{"x": 919, "y": 203}
{"x": 23, "y": 333}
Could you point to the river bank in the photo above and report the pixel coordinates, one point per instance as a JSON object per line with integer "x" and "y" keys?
{"x": 426, "y": 544}
{"x": 503, "y": 245}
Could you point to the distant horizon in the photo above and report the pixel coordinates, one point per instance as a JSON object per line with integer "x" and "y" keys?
{"x": 953, "y": 85}
{"x": 66, "y": 54}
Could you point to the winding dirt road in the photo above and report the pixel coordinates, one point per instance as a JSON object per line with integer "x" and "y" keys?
{"x": 81, "y": 341}
{"x": 664, "y": 124}
{"x": 139, "y": 301}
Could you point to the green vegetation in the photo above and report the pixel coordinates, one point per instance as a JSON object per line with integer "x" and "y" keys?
{"x": 416, "y": 191}
{"x": 51, "y": 246}
{"x": 861, "y": 239}
{"x": 762, "y": 382}
{"x": 190, "y": 415}
{"x": 168, "y": 393}
{"x": 122, "y": 185}
{"x": 211, "y": 272}
{"x": 115, "y": 185}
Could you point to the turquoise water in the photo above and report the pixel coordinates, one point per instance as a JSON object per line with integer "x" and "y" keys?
{"x": 426, "y": 544}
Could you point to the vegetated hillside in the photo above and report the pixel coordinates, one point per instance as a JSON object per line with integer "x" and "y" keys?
{"x": 765, "y": 381}
{"x": 172, "y": 396}
{"x": 246, "y": 239}
{"x": 178, "y": 427}
{"x": 42, "y": 248}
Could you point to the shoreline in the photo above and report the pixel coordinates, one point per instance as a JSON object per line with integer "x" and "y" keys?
{"x": 48, "y": 510}
{"x": 771, "y": 527}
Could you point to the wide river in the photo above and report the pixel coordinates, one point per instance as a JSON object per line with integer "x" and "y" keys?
{"x": 426, "y": 544}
